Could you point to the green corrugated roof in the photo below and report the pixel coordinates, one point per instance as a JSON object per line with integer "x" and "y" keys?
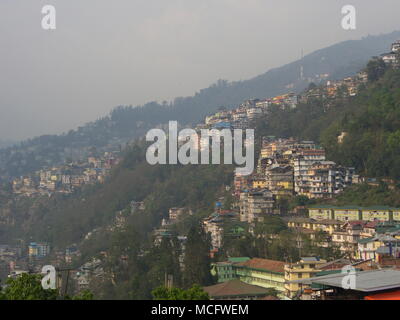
{"x": 366, "y": 240}
{"x": 377, "y": 208}
{"x": 321, "y": 206}
{"x": 238, "y": 259}
{"x": 352, "y": 207}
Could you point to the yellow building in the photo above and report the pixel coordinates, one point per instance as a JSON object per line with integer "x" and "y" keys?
{"x": 264, "y": 273}
{"x": 259, "y": 272}
{"x": 367, "y": 248}
{"x": 300, "y": 222}
{"x": 380, "y": 213}
{"x": 285, "y": 185}
{"x": 327, "y": 225}
{"x": 349, "y": 213}
{"x": 396, "y": 214}
{"x": 354, "y": 213}
{"x": 259, "y": 183}
{"x": 320, "y": 212}
{"x": 305, "y": 268}
{"x": 266, "y": 153}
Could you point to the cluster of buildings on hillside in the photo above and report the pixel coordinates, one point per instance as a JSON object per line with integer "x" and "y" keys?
{"x": 358, "y": 232}
{"x": 368, "y": 238}
{"x": 288, "y": 167}
{"x": 66, "y": 178}
{"x": 311, "y": 278}
{"x": 17, "y": 259}
{"x": 347, "y": 87}
{"x": 14, "y": 262}
{"x": 241, "y": 117}
{"x": 392, "y": 57}
{"x": 354, "y": 213}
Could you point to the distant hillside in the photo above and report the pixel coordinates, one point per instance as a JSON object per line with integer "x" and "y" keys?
{"x": 126, "y": 123}
{"x": 6, "y": 143}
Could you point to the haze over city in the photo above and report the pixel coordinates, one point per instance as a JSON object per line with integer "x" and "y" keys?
{"x": 109, "y": 53}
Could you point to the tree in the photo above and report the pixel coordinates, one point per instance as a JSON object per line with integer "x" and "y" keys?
{"x": 311, "y": 86}
{"x": 271, "y": 225}
{"x": 272, "y": 292}
{"x": 164, "y": 260}
{"x": 197, "y": 257}
{"x": 84, "y": 295}
{"x": 376, "y": 69}
{"x": 194, "y": 293}
{"x": 27, "y": 287}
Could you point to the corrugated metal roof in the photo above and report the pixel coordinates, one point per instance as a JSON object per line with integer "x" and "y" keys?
{"x": 366, "y": 281}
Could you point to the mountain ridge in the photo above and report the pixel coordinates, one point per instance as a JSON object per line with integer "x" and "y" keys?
{"x": 126, "y": 123}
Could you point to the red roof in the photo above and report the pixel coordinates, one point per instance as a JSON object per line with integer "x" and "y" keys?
{"x": 394, "y": 295}
{"x": 371, "y": 224}
{"x": 265, "y": 264}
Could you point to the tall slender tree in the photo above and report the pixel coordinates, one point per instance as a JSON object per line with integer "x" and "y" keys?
{"x": 197, "y": 258}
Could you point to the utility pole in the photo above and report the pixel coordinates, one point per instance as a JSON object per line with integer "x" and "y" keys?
{"x": 168, "y": 280}
{"x": 60, "y": 283}
{"x": 302, "y": 67}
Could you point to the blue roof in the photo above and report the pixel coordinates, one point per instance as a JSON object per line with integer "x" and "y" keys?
{"x": 226, "y": 125}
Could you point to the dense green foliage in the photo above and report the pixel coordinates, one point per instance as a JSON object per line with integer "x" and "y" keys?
{"x": 194, "y": 293}
{"x": 371, "y": 124}
{"x": 197, "y": 257}
{"x": 367, "y": 195}
{"x": 134, "y": 265}
{"x": 66, "y": 219}
{"x": 29, "y": 287}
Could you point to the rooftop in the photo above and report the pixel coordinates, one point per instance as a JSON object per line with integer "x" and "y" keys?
{"x": 238, "y": 259}
{"x": 264, "y": 264}
{"x": 352, "y": 207}
{"x": 235, "y": 288}
{"x": 366, "y": 281}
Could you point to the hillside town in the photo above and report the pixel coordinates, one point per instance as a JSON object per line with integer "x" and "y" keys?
{"x": 366, "y": 238}
{"x": 65, "y": 179}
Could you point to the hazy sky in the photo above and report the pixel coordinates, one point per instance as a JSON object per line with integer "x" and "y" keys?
{"x": 106, "y": 53}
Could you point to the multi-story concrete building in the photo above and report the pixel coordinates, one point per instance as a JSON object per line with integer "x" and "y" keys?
{"x": 301, "y": 165}
{"x": 354, "y": 213}
{"x": 255, "y": 204}
{"x": 259, "y": 272}
{"x": 347, "y": 238}
{"x": 280, "y": 180}
{"x": 38, "y": 250}
{"x": 306, "y": 268}
{"x": 328, "y": 226}
{"x": 325, "y": 179}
